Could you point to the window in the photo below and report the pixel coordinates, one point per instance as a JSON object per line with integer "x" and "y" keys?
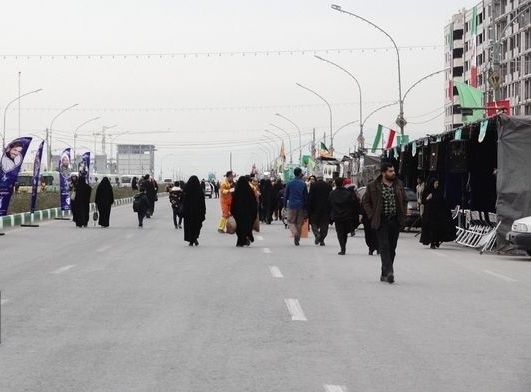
{"x": 458, "y": 71}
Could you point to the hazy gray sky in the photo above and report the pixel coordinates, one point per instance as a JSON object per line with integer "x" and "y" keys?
{"x": 248, "y": 83}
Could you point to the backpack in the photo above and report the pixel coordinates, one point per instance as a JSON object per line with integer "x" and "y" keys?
{"x": 137, "y": 202}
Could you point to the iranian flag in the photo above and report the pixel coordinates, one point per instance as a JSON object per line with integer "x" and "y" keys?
{"x": 391, "y": 139}
{"x": 380, "y": 140}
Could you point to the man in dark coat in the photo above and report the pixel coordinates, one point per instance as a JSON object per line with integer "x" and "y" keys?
{"x": 194, "y": 210}
{"x": 244, "y": 209}
{"x": 345, "y": 210}
{"x": 385, "y": 203}
{"x": 319, "y": 210}
{"x": 104, "y": 200}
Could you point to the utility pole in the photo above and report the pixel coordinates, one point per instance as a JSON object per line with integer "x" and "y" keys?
{"x": 19, "y": 73}
{"x": 313, "y": 145}
{"x": 231, "y": 161}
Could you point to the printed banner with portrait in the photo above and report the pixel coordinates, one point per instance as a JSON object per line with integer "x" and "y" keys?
{"x": 84, "y": 166}
{"x": 64, "y": 178}
{"x": 36, "y": 177}
{"x": 10, "y": 165}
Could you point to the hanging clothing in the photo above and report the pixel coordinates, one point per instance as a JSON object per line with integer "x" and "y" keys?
{"x": 244, "y": 209}
{"x": 104, "y": 200}
{"x": 194, "y": 210}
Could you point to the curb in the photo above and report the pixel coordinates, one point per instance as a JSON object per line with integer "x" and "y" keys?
{"x": 51, "y": 213}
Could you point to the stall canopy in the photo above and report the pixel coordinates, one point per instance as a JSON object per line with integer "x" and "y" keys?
{"x": 513, "y": 180}
{"x": 470, "y": 97}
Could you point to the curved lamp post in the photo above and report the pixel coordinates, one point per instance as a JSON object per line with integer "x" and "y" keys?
{"x": 289, "y": 139}
{"x": 7, "y": 107}
{"x": 49, "y": 133}
{"x": 360, "y": 136}
{"x": 78, "y": 128}
{"x": 298, "y": 130}
{"x": 400, "y": 121}
{"x": 329, "y": 110}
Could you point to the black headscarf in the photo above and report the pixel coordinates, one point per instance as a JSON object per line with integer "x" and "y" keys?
{"x": 104, "y": 193}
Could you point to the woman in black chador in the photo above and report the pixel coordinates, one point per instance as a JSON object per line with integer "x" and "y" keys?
{"x": 104, "y": 201}
{"x": 194, "y": 210}
{"x": 244, "y": 210}
{"x": 82, "y": 203}
{"x": 437, "y": 224}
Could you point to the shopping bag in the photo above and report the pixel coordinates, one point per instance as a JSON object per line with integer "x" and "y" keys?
{"x": 231, "y": 225}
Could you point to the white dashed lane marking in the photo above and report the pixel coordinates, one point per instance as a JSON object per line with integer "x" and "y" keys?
{"x": 266, "y": 250}
{"x": 275, "y": 272}
{"x": 335, "y": 388}
{"x": 62, "y": 269}
{"x": 295, "y": 310}
{"x": 500, "y": 276}
{"x": 259, "y": 237}
{"x": 3, "y": 301}
{"x": 103, "y": 249}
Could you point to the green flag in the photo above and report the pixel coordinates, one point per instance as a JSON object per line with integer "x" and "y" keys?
{"x": 470, "y": 97}
{"x": 458, "y": 133}
{"x": 378, "y": 138}
{"x": 323, "y": 147}
{"x": 483, "y": 130}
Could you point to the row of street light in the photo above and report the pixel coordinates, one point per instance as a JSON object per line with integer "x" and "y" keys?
{"x": 400, "y": 120}
{"x": 49, "y": 130}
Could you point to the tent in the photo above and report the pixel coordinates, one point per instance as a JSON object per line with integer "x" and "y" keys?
{"x": 513, "y": 179}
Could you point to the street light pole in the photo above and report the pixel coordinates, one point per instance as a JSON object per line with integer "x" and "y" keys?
{"x": 7, "y": 107}
{"x": 49, "y": 133}
{"x": 420, "y": 81}
{"x": 377, "y": 110}
{"x": 298, "y": 130}
{"x": 77, "y": 129}
{"x": 400, "y": 121}
{"x": 329, "y": 110}
{"x": 361, "y": 140}
{"x": 289, "y": 139}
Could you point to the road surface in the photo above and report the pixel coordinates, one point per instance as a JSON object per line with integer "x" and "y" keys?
{"x": 128, "y": 309}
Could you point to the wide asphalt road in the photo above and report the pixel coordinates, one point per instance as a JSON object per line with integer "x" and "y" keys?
{"x": 127, "y": 309}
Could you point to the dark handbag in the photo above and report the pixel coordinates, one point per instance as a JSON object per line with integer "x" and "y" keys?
{"x": 95, "y": 216}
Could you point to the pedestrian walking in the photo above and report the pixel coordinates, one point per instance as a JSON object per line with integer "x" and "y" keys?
{"x": 134, "y": 183}
{"x": 385, "y": 205}
{"x": 244, "y": 209}
{"x": 319, "y": 210}
{"x": 194, "y": 210}
{"x": 72, "y": 194}
{"x": 344, "y": 212}
{"x": 437, "y": 222}
{"x": 176, "y": 201}
{"x": 295, "y": 200}
{"x": 226, "y": 189}
{"x": 266, "y": 201}
{"x": 104, "y": 201}
{"x": 278, "y": 199}
{"x": 371, "y": 239}
{"x": 141, "y": 204}
{"x": 151, "y": 193}
{"x": 82, "y": 203}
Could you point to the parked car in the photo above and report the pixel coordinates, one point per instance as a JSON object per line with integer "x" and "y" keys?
{"x": 412, "y": 212}
{"x": 520, "y": 234}
{"x": 209, "y": 190}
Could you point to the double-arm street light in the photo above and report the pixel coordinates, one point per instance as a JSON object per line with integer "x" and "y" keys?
{"x": 361, "y": 139}
{"x": 298, "y": 130}
{"x": 400, "y": 121}
{"x": 49, "y": 133}
{"x": 7, "y": 107}
{"x": 289, "y": 139}
{"x": 329, "y": 110}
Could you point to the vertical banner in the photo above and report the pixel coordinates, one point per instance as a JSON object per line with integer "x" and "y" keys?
{"x": 10, "y": 165}
{"x": 36, "y": 176}
{"x": 64, "y": 179}
{"x": 84, "y": 166}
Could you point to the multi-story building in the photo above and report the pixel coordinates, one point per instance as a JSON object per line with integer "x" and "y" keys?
{"x": 473, "y": 38}
{"x": 135, "y": 159}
